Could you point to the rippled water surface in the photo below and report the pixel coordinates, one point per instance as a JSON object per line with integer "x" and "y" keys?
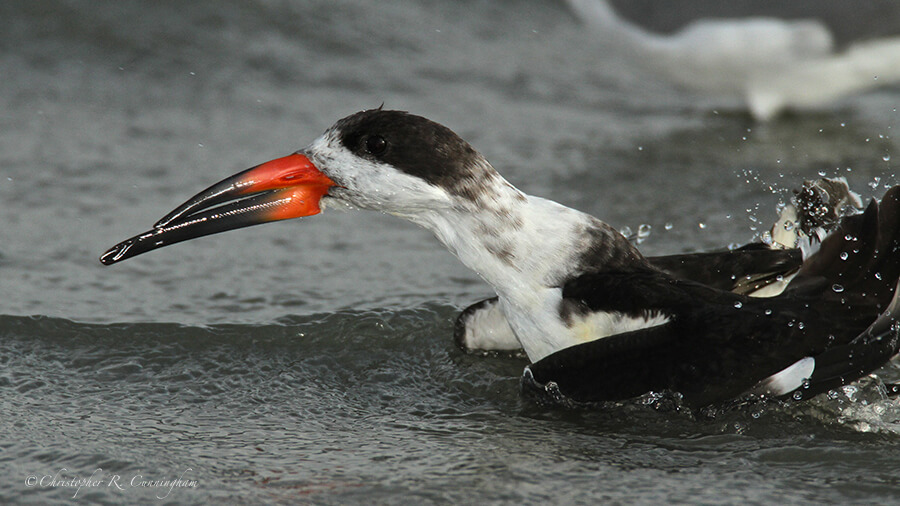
{"x": 312, "y": 361}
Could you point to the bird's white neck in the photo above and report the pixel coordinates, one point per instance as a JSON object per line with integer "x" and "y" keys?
{"x": 526, "y": 248}
{"x": 507, "y": 237}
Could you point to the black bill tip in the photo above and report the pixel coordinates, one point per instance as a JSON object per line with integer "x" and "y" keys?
{"x": 132, "y": 247}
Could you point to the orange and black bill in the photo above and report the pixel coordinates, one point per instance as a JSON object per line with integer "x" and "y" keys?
{"x": 288, "y": 187}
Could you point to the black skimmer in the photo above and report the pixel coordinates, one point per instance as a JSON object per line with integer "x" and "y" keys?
{"x": 767, "y": 63}
{"x": 599, "y": 321}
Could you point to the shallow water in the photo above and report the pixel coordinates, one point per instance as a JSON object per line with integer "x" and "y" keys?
{"x": 312, "y": 360}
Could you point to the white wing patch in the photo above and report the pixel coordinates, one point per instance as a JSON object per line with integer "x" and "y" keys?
{"x": 602, "y": 324}
{"x": 790, "y": 378}
{"x": 488, "y": 329}
{"x": 773, "y": 289}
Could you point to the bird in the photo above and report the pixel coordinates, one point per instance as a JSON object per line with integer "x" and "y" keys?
{"x": 598, "y": 321}
{"x": 766, "y": 63}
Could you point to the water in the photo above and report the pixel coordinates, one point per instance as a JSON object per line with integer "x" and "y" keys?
{"x": 312, "y": 361}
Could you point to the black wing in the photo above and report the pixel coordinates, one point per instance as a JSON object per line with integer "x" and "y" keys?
{"x": 840, "y": 310}
{"x": 752, "y": 266}
{"x": 716, "y": 345}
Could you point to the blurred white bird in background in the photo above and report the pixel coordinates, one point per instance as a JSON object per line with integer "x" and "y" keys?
{"x": 769, "y": 64}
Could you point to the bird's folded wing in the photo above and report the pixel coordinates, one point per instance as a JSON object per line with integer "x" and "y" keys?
{"x": 754, "y": 265}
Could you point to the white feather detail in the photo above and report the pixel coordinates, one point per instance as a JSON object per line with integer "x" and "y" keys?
{"x": 602, "y": 324}
{"x": 487, "y": 329}
{"x": 788, "y": 379}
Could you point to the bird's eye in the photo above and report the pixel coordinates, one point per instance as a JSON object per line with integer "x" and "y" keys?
{"x": 376, "y": 144}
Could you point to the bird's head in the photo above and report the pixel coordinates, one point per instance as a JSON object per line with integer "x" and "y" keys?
{"x": 389, "y": 161}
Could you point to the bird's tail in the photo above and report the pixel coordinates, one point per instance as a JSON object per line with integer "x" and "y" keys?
{"x": 861, "y": 257}
{"x": 866, "y": 353}
{"x": 861, "y": 260}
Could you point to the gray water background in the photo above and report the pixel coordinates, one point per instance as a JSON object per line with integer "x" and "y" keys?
{"x": 311, "y": 361}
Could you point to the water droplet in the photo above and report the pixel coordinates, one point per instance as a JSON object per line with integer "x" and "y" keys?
{"x": 837, "y": 288}
{"x": 800, "y": 325}
{"x": 878, "y": 275}
{"x": 845, "y": 255}
{"x": 798, "y": 395}
{"x": 643, "y": 233}
{"x": 886, "y": 157}
{"x": 640, "y": 148}
{"x": 789, "y": 225}
{"x": 822, "y": 173}
{"x": 737, "y": 304}
{"x": 701, "y": 225}
{"x": 849, "y": 390}
{"x": 768, "y": 311}
{"x": 849, "y": 237}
